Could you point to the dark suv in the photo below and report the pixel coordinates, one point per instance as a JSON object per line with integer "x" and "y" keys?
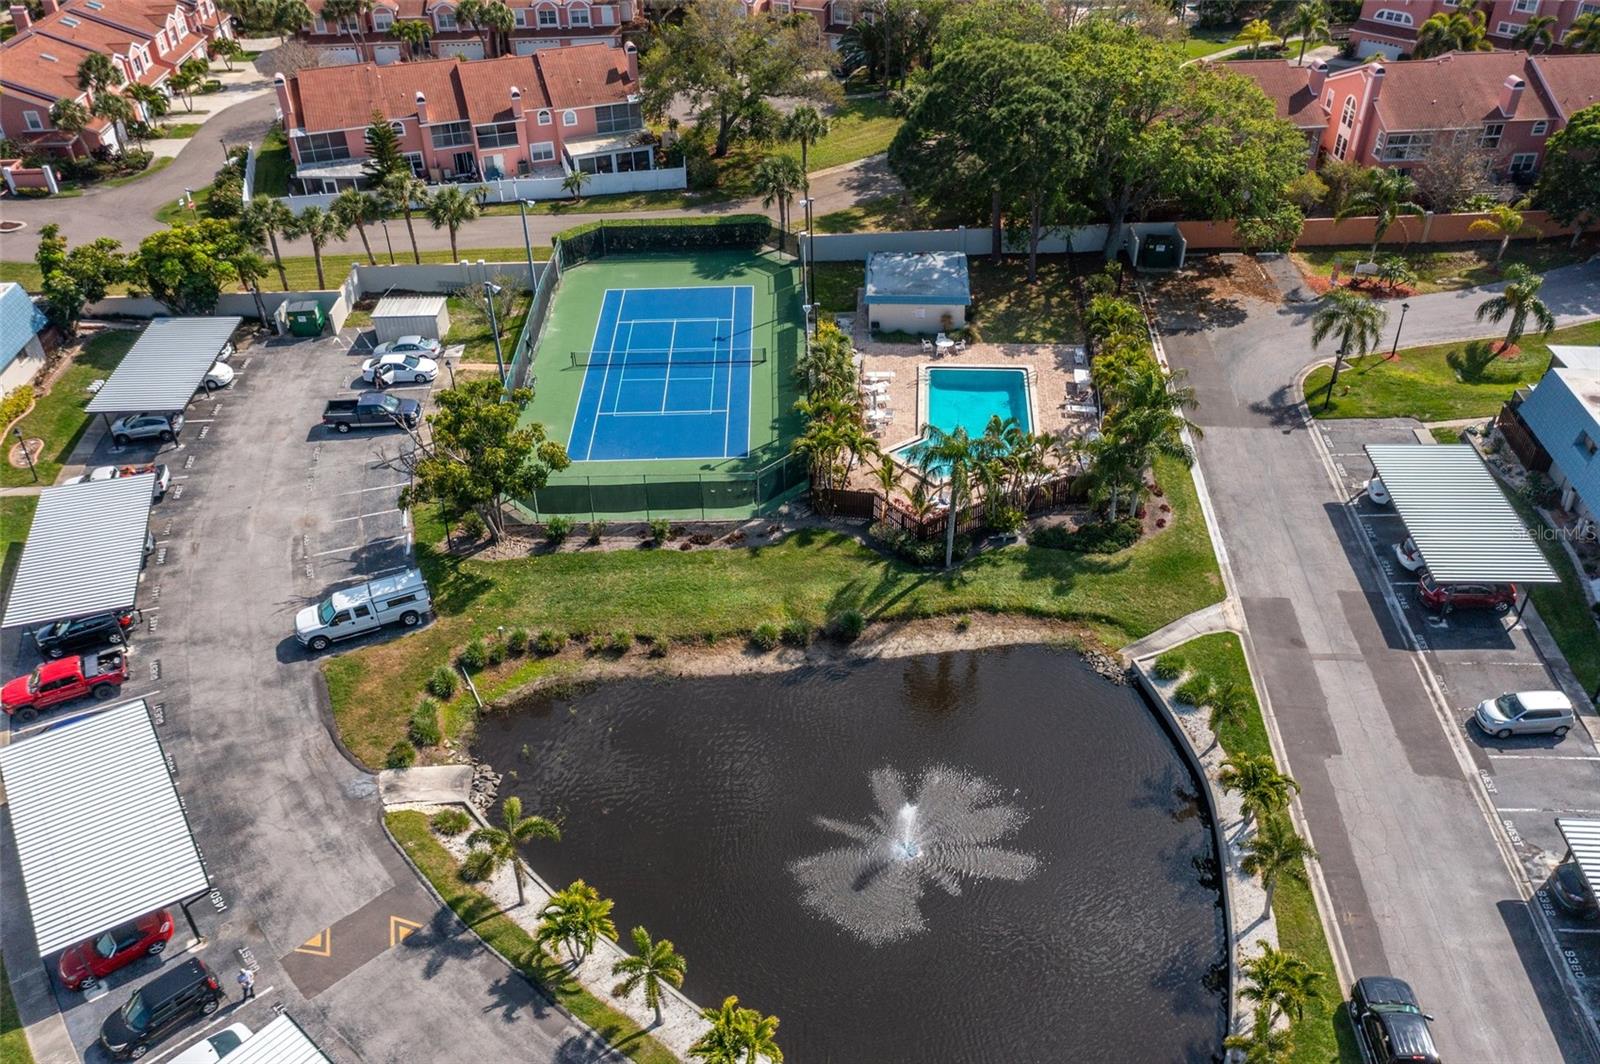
{"x": 164, "y": 1004}
{"x": 1448, "y": 597}
{"x": 1390, "y": 1025}
{"x": 84, "y": 633}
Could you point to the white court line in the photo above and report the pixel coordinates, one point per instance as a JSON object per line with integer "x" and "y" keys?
{"x": 727, "y": 392}
{"x": 666, "y": 379}
{"x": 600, "y": 404}
{"x": 380, "y": 487}
{"x": 665, "y": 413}
{"x": 375, "y": 513}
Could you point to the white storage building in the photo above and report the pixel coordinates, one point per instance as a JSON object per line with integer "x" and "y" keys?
{"x": 397, "y": 316}
{"x": 917, "y": 291}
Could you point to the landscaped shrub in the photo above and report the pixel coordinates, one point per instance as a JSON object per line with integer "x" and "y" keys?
{"x": 1102, "y": 537}
{"x": 16, "y": 401}
{"x": 1193, "y": 691}
{"x": 963, "y": 622}
{"x": 450, "y": 821}
{"x": 495, "y": 651}
{"x": 796, "y": 633}
{"x": 401, "y": 755}
{"x": 557, "y": 529}
{"x": 517, "y": 640}
{"x": 620, "y": 641}
{"x": 923, "y": 553}
{"x": 472, "y": 526}
{"x": 1168, "y": 666}
{"x": 596, "y": 530}
{"x": 765, "y": 636}
{"x": 847, "y": 626}
{"x": 660, "y": 530}
{"x": 473, "y": 656}
{"x": 442, "y": 684}
{"x": 1007, "y": 520}
{"x": 549, "y": 641}
{"x": 424, "y": 729}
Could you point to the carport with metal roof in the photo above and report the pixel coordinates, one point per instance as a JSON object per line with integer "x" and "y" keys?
{"x": 165, "y": 366}
{"x": 113, "y": 849}
{"x": 1583, "y": 845}
{"x": 279, "y": 1042}
{"x": 84, "y": 551}
{"x": 1464, "y": 526}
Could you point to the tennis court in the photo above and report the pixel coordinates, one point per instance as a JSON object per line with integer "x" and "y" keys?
{"x": 667, "y": 375}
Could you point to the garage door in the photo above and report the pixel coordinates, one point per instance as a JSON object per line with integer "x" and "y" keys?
{"x": 386, "y": 54}
{"x": 1383, "y": 48}
{"x": 339, "y": 56}
{"x": 465, "y": 49}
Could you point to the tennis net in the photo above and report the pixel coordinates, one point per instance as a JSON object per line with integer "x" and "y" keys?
{"x": 677, "y": 356}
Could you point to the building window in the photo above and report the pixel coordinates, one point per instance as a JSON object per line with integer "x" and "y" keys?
{"x": 596, "y": 164}
{"x": 578, "y": 15}
{"x": 1327, "y": 100}
{"x": 569, "y": 118}
{"x": 541, "y": 152}
{"x": 445, "y": 19}
{"x": 451, "y": 135}
{"x": 608, "y": 17}
{"x": 1490, "y": 137}
{"x": 1403, "y": 147}
{"x": 1585, "y": 443}
{"x": 548, "y": 19}
{"x": 1507, "y": 29}
{"x": 323, "y": 148}
{"x": 1540, "y": 128}
{"x": 629, "y": 161}
{"x": 382, "y": 19}
{"x": 544, "y": 118}
{"x": 1525, "y": 7}
{"x": 418, "y": 167}
{"x": 1589, "y": 9}
{"x": 399, "y": 128}
{"x": 1340, "y": 143}
{"x": 32, "y": 120}
{"x": 521, "y": 18}
{"x": 1523, "y": 161}
{"x": 496, "y": 134}
{"x": 1394, "y": 18}
{"x": 617, "y": 118}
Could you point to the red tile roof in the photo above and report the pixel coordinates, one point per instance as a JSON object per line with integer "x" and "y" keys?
{"x": 42, "y": 66}
{"x": 1455, "y": 91}
{"x": 1286, "y": 85}
{"x": 586, "y": 74}
{"x": 344, "y": 97}
{"x": 485, "y": 86}
{"x": 1573, "y": 80}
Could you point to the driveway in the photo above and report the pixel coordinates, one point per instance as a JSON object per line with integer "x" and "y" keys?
{"x": 1423, "y": 882}
{"x": 269, "y": 512}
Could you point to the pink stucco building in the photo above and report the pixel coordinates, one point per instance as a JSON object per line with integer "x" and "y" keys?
{"x": 539, "y": 24}
{"x": 1389, "y": 27}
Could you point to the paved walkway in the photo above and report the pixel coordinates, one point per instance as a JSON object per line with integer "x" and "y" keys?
{"x": 1221, "y": 616}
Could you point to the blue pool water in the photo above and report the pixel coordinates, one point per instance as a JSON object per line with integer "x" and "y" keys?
{"x": 968, "y": 397}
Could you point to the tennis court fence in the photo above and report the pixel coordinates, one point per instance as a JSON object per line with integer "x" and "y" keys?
{"x": 753, "y": 232}
{"x": 645, "y": 497}
{"x": 520, "y": 373}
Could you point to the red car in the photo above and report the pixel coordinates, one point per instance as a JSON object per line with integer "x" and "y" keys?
{"x": 64, "y": 680}
{"x": 87, "y": 963}
{"x": 1447, "y": 597}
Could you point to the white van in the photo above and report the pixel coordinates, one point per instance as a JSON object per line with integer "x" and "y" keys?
{"x": 398, "y": 599}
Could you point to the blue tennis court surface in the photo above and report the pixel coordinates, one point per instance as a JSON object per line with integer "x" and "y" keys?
{"x": 668, "y": 376}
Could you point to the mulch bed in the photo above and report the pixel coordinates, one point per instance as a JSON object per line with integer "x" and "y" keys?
{"x": 1366, "y": 286}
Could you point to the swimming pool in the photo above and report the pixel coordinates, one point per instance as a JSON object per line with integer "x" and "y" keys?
{"x": 967, "y": 397}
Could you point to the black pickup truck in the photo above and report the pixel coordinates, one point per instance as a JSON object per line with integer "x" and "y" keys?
{"x": 371, "y": 410}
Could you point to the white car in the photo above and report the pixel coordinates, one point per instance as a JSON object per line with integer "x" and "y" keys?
{"x": 399, "y": 369}
{"x": 1525, "y": 713}
{"x": 214, "y": 1048}
{"x": 1407, "y": 554}
{"x": 409, "y": 345}
{"x": 1377, "y": 492}
{"x": 112, "y": 472}
{"x": 220, "y": 375}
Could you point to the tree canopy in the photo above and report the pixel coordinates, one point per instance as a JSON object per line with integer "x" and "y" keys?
{"x": 1569, "y": 184}
{"x": 186, "y": 266}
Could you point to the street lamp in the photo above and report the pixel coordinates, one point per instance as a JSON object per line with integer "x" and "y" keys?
{"x": 527, "y": 245}
{"x": 1394, "y": 352}
{"x": 811, "y": 247}
{"x": 490, "y": 290}
{"x": 25, "y": 452}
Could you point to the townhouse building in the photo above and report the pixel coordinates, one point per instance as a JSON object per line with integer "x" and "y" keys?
{"x": 833, "y": 17}
{"x": 544, "y": 114}
{"x": 1392, "y": 114}
{"x": 1389, "y": 27}
{"x": 539, "y": 24}
{"x": 147, "y": 40}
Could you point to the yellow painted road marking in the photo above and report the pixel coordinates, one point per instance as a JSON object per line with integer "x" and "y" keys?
{"x": 319, "y": 944}
{"x": 399, "y": 928}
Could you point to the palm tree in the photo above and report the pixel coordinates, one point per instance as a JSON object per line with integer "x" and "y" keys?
{"x": 573, "y": 184}
{"x": 115, "y": 109}
{"x": 355, "y": 12}
{"x": 955, "y": 455}
{"x": 356, "y": 208}
{"x": 264, "y": 217}
{"x": 1230, "y": 703}
{"x": 1263, "y": 790}
{"x": 1460, "y": 31}
{"x": 1357, "y": 322}
{"x": 499, "y": 845}
{"x": 289, "y": 17}
{"x": 653, "y": 962}
{"x": 451, "y": 208}
{"x": 888, "y": 477}
{"x": 758, "y": 1035}
{"x": 1256, "y": 33}
{"x": 1309, "y": 22}
{"x": 69, "y": 116}
{"x": 1274, "y": 851}
{"x": 1145, "y": 420}
{"x": 319, "y": 227}
{"x": 1536, "y": 35}
{"x": 1394, "y": 270}
{"x": 1584, "y": 34}
{"x": 492, "y": 20}
{"x": 833, "y": 439}
{"x": 251, "y": 268}
{"x": 807, "y": 125}
{"x": 154, "y": 102}
{"x": 1388, "y": 195}
{"x": 1279, "y": 983}
{"x": 1520, "y": 301}
{"x": 184, "y": 81}
{"x": 398, "y": 192}
{"x": 1503, "y": 222}
{"x": 226, "y": 49}
{"x": 98, "y": 74}
{"x": 737, "y": 1036}
{"x": 574, "y": 919}
{"x": 414, "y": 33}
{"x": 1264, "y": 1044}
{"x": 776, "y": 179}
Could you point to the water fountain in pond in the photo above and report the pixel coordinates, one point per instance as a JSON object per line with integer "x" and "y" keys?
{"x": 947, "y": 831}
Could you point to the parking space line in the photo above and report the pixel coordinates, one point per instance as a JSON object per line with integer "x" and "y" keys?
{"x": 222, "y": 1014}
{"x": 368, "y": 543}
{"x": 1543, "y": 757}
{"x": 375, "y": 513}
{"x": 198, "y": 420}
{"x": 380, "y": 487}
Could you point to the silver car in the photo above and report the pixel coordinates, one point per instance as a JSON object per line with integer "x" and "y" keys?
{"x": 163, "y": 427}
{"x": 1525, "y": 713}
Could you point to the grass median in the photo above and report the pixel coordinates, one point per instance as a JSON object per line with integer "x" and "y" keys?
{"x": 59, "y": 418}
{"x": 13, "y": 1039}
{"x": 477, "y": 911}
{"x": 713, "y": 594}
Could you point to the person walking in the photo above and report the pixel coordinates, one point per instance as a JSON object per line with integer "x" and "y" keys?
{"x": 247, "y": 983}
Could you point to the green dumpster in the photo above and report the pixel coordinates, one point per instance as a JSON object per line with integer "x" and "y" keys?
{"x": 306, "y": 318}
{"x": 1158, "y": 253}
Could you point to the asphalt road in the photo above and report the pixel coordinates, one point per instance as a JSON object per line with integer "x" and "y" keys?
{"x": 1422, "y": 882}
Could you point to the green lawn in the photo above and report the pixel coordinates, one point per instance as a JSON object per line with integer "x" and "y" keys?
{"x": 59, "y": 418}
{"x": 621, "y": 202}
{"x": 1006, "y": 309}
{"x": 410, "y": 829}
{"x": 13, "y": 1039}
{"x": 811, "y": 575}
{"x": 178, "y": 210}
{"x": 16, "y": 517}
{"x": 1441, "y": 382}
{"x": 273, "y": 164}
{"x": 1451, "y": 267}
{"x": 857, "y": 129}
{"x": 469, "y": 324}
{"x": 837, "y": 283}
{"x": 1562, "y": 606}
{"x": 179, "y": 130}
{"x": 1324, "y": 1034}
{"x": 888, "y": 213}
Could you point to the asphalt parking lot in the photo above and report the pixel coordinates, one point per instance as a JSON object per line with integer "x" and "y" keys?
{"x": 1526, "y": 781}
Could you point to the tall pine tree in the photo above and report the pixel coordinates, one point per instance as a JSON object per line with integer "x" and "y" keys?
{"x": 384, "y": 155}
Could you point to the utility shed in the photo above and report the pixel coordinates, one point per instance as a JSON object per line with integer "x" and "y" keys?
{"x": 917, "y": 291}
{"x": 119, "y": 848}
{"x": 424, "y": 316}
{"x": 165, "y": 366}
{"x": 279, "y": 1042}
{"x": 84, "y": 551}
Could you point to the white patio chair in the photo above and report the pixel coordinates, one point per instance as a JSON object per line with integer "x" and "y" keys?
{"x": 927, "y": 345}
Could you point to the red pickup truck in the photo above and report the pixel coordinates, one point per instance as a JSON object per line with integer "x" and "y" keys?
{"x": 64, "y": 680}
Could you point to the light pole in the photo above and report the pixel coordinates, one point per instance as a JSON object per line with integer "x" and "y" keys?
{"x": 384, "y": 221}
{"x": 527, "y": 245}
{"x": 25, "y": 452}
{"x": 811, "y": 246}
{"x": 490, "y": 290}
{"x": 1327, "y": 399}
{"x": 1394, "y": 352}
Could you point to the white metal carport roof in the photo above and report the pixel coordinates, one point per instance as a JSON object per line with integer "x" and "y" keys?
{"x": 165, "y": 366}
{"x": 101, "y": 834}
{"x": 84, "y": 551}
{"x": 1464, "y": 526}
{"x": 279, "y": 1042}
{"x": 1583, "y": 839}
